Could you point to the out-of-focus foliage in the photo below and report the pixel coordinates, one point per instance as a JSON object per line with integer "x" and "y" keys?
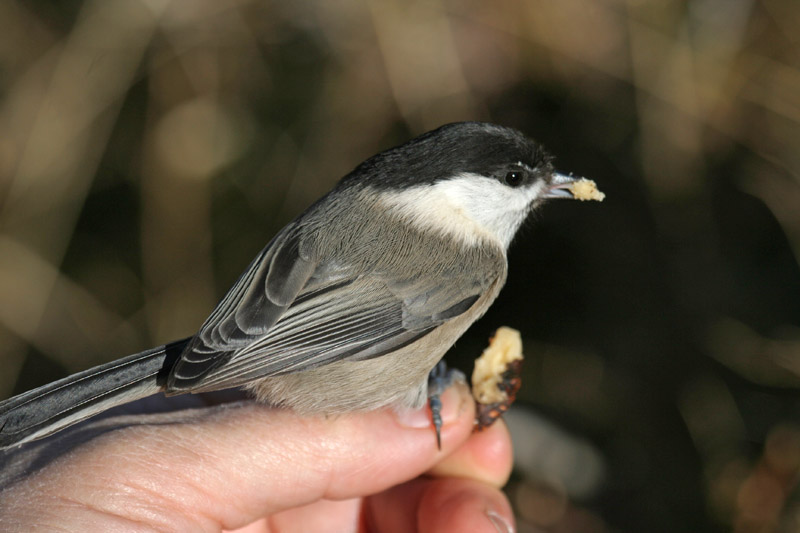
{"x": 149, "y": 149}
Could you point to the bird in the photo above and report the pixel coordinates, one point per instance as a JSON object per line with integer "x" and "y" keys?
{"x": 354, "y": 302}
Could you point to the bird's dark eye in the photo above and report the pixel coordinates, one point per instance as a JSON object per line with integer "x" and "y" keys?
{"x": 514, "y": 178}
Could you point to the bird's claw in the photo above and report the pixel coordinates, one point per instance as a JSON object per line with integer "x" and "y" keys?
{"x": 439, "y": 379}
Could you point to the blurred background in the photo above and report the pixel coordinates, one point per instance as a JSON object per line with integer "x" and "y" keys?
{"x": 150, "y": 148}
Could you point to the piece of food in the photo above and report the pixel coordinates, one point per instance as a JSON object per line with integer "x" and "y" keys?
{"x": 496, "y": 379}
{"x": 584, "y": 189}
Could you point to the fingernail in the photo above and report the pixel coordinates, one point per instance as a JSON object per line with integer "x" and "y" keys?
{"x": 499, "y": 522}
{"x": 452, "y": 406}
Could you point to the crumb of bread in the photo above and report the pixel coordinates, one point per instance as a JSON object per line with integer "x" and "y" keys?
{"x": 584, "y": 189}
{"x": 504, "y": 348}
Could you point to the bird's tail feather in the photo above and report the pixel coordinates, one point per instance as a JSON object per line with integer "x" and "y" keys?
{"x": 52, "y": 407}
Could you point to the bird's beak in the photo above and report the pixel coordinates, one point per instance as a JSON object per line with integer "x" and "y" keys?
{"x": 560, "y": 186}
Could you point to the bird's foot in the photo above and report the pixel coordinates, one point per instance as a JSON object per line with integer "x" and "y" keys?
{"x": 439, "y": 379}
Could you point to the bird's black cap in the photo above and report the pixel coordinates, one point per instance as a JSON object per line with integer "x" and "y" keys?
{"x": 456, "y": 148}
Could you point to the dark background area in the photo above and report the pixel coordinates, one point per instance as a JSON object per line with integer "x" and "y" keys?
{"x": 149, "y": 149}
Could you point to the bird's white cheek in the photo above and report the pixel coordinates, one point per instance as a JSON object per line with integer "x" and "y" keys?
{"x": 468, "y": 207}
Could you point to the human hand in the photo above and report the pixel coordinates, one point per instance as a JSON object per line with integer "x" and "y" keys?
{"x": 247, "y": 467}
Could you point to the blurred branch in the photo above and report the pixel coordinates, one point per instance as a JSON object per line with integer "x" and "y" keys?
{"x": 57, "y": 119}
{"x": 775, "y": 363}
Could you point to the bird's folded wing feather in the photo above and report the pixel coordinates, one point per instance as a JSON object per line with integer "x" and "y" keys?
{"x": 289, "y": 312}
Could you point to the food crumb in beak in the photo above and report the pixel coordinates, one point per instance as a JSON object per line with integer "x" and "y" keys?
{"x": 584, "y": 189}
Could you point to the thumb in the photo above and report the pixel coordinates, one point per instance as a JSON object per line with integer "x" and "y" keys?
{"x": 229, "y": 465}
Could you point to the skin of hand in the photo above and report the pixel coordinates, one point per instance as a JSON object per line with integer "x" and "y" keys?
{"x": 245, "y": 467}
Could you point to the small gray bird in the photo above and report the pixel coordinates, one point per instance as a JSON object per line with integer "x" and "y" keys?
{"x": 354, "y": 302}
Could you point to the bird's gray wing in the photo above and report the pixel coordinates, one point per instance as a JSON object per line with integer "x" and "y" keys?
{"x": 339, "y": 312}
{"x": 251, "y": 307}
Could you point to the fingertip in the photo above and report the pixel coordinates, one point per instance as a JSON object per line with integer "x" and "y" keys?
{"x": 458, "y": 413}
{"x": 449, "y": 505}
{"x": 487, "y": 456}
{"x": 452, "y": 505}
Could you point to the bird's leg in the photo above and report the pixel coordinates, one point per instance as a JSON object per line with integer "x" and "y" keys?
{"x": 439, "y": 379}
